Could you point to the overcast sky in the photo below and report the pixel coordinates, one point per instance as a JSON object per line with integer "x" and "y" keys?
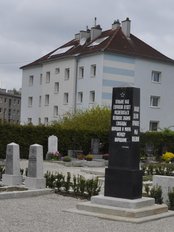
{"x": 31, "y": 28}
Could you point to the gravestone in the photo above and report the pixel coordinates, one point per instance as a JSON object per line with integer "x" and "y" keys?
{"x": 12, "y": 174}
{"x": 122, "y": 199}
{"x": 95, "y": 144}
{"x": 52, "y": 144}
{"x": 123, "y": 179}
{"x": 35, "y": 179}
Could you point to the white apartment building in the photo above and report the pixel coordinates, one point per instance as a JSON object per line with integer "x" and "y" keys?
{"x": 82, "y": 73}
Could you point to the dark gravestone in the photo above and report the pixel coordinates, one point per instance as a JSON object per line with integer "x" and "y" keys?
{"x": 123, "y": 179}
{"x": 95, "y": 143}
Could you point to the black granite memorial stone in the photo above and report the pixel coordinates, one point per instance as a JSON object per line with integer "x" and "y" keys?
{"x": 123, "y": 178}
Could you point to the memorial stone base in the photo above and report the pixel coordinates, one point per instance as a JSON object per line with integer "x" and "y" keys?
{"x": 35, "y": 183}
{"x": 123, "y": 183}
{"x": 11, "y": 180}
{"x": 119, "y": 209}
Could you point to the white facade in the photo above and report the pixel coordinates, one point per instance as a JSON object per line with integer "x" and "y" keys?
{"x": 111, "y": 71}
{"x": 76, "y": 81}
{"x": 52, "y": 95}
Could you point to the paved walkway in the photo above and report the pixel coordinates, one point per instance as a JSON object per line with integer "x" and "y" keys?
{"x": 46, "y": 214}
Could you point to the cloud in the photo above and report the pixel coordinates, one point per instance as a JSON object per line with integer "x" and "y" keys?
{"x": 31, "y": 28}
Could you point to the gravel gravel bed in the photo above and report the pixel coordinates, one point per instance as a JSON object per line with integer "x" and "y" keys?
{"x": 58, "y": 167}
{"x": 46, "y": 214}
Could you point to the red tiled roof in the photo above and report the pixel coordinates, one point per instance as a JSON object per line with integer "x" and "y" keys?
{"x": 115, "y": 42}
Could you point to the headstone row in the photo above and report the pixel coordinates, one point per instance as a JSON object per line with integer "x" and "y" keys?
{"x": 34, "y": 178}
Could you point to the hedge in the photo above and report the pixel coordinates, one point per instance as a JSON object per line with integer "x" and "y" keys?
{"x": 78, "y": 139}
{"x": 29, "y": 134}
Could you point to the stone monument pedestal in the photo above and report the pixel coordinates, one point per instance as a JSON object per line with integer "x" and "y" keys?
{"x": 35, "y": 183}
{"x": 123, "y": 183}
{"x": 11, "y": 180}
{"x": 137, "y": 210}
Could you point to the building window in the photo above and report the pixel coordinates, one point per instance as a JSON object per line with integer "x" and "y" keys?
{"x": 29, "y": 120}
{"x": 55, "y": 111}
{"x": 47, "y": 77}
{"x": 81, "y": 72}
{"x": 0, "y": 110}
{"x": 156, "y": 77}
{"x": 92, "y": 96}
{"x": 154, "y": 101}
{"x": 46, "y": 121}
{"x": 56, "y": 87}
{"x": 41, "y": 79}
{"x": 40, "y": 100}
{"x": 57, "y": 70}
{"x": 153, "y": 125}
{"x": 31, "y": 79}
{"x": 0, "y": 99}
{"x": 30, "y": 101}
{"x": 93, "y": 70}
{"x": 67, "y": 73}
{"x": 80, "y": 97}
{"x": 9, "y": 103}
{"x": 47, "y": 99}
{"x": 65, "y": 99}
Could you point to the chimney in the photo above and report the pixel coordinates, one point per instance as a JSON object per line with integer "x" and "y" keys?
{"x": 95, "y": 32}
{"x": 77, "y": 36}
{"x": 126, "y": 24}
{"x": 85, "y": 34}
{"x": 115, "y": 24}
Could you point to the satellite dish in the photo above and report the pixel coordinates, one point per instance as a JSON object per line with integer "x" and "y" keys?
{"x": 82, "y": 41}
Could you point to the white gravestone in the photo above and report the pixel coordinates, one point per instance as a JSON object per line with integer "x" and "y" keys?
{"x": 35, "y": 179}
{"x": 52, "y": 144}
{"x": 12, "y": 174}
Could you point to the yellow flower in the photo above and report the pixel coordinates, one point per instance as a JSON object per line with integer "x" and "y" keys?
{"x": 167, "y": 156}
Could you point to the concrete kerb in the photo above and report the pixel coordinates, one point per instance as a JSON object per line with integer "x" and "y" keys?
{"x": 25, "y": 193}
{"x": 122, "y": 219}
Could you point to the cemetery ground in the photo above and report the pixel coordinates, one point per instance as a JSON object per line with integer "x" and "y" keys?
{"x": 48, "y": 212}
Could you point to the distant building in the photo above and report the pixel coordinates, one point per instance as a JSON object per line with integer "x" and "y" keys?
{"x": 10, "y": 106}
{"x": 82, "y": 73}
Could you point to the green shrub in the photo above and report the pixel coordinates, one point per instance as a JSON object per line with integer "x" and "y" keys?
{"x": 53, "y": 156}
{"x": 67, "y": 182}
{"x": 50, "y": 178}
{"x": 171, "y": 199}
{"x": 80, "y": 157}
{"x": 158, "y": 169}
{"x": 89, "y": 157}
{"x": 79, "y": 186}
{"x": 59, "y": 181}
{"x": 66, "y": 159}
{"x": 92, "y": 187}
{"x": 156, "y": 192}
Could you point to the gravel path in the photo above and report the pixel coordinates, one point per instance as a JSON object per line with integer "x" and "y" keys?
{"x": 46, "y": 214}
